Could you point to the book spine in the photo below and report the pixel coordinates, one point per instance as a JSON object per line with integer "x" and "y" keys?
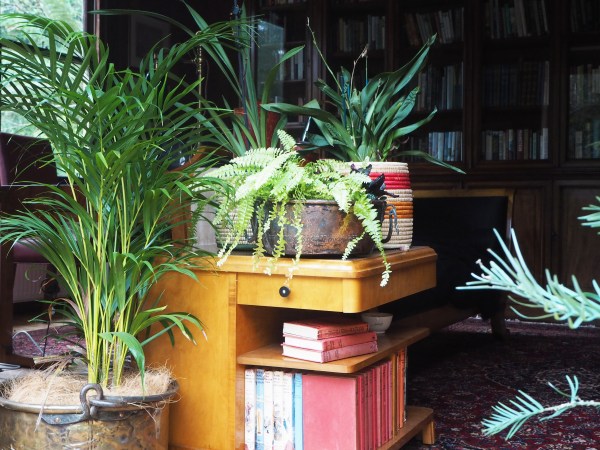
{"x": 330, "y": 343}
{"x": 250, "y": 409}
{"x": 260, "y": 409}
{"x": 339, "y": 331}
{"x": 330, "y": 355}
{"x": 288, "y": 410}
{"x": 278, "y": 429}
{"x": 268, "y": 408}
{"x": 298, "y": 411}
{"x": 323, "y": 331}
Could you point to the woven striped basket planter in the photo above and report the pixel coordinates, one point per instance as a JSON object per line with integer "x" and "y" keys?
{"x": 397, "y": 182}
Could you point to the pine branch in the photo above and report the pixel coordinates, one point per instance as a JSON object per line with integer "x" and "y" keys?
{"x": 524, "y": 407}
{"x": 511, "y": 274}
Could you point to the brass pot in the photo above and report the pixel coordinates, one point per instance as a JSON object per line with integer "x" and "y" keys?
{"x": 326, "y": 230}
{"x": 99, "y": 422}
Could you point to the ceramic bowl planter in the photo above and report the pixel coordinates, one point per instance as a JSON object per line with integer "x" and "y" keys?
{"x": 99, "y": 422}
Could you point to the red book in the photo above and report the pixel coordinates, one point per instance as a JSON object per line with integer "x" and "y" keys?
{"x": 401, "y": 386}
{"x": 330, "y": 343}
{"x": 330, "y": 405}
{"x": 330, "y": 355}
{"x": 324, "y": 328}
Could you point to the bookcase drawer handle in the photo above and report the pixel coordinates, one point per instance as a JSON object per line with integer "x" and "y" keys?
{"x": 284, "y": 291}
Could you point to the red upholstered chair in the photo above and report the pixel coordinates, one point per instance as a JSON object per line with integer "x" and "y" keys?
{"x": 17, "y": 165}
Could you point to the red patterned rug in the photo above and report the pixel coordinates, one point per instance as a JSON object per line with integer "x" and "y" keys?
{"x": 55, "y": 340}
{"x": 463, "y": 371}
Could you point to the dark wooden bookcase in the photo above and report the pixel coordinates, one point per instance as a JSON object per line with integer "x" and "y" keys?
{"x": 517, "y": 88}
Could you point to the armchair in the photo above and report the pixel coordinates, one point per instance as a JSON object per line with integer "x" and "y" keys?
{"x": 19, "y": 162}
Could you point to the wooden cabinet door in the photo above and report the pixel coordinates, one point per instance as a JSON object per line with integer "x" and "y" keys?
{"x": 575, "y": 245}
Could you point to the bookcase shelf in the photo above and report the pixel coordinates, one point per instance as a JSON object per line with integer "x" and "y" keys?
{"x": 388, "y": 344}
{"x": 418, "y": 420}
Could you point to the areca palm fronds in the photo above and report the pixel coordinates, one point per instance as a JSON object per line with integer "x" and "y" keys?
{"x": 245, "y": 125}
{"x": 116, "y": 136}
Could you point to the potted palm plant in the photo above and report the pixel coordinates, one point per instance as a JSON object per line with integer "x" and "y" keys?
{"x": 109, "y": 230}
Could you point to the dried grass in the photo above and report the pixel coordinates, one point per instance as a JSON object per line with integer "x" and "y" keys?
{"x": 58, "y": 387}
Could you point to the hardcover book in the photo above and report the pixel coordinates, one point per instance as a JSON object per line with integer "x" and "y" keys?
{"x": 330, "y": 343}
{"x": 330, "y": 416}
{"x": 260, "y": 409}
{"x": 324, "y": 328}
{"x": 268, "y": 410}
{"x": 330, "y": 355}
{"x": 298, "y": 422}
{"x": 250, "y": 409}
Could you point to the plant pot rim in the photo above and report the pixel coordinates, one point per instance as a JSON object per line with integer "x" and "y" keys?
{"x": 107, "y": 402}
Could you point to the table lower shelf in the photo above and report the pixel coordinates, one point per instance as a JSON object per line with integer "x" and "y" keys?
{"x": 389, "y": 343}
{"x": 418, "y": 420}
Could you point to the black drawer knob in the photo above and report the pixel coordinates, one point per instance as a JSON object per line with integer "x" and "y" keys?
{"x": 284, "y": 291}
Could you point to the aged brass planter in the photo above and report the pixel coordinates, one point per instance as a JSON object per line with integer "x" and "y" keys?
{"x": 326, "y": 230}
{"x": 99, "y": 422}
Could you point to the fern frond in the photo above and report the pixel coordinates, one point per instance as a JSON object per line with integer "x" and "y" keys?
{"x": 287, "y": 142}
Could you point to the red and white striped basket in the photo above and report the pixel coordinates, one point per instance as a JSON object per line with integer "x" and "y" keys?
{"x": 397, "y": 182}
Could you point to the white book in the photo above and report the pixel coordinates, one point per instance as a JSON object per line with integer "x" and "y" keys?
{"x": 288, "y": 409}
{"x": 278, "y": 429}
{"x": 268, "y": 410}
{"x": 250, "y": 409}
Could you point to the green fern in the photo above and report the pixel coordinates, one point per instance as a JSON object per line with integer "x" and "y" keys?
{"x": 264, "y": 180}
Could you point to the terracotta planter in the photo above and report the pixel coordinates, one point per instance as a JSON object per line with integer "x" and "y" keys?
{"x": 99, "y": 422}
{"x": 326, "y": 230}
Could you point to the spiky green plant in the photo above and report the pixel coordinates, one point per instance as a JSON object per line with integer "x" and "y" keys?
{"x": 115, "y": 135}
{"x": 509, "y": 272}
{"x": 265, "y": 180}
{"x": 367, "y": 123}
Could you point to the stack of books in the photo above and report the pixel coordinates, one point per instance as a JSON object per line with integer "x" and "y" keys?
{"x": 324, "y": 340}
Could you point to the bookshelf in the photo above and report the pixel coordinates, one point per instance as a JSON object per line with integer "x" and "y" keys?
{"x": 515, "y": 83}
{"x": 244, "y": 332}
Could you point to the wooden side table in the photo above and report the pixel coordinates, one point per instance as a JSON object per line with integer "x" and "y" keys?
{"x": 243, "y": 312}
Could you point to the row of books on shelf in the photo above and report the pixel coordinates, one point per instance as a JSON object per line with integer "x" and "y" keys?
{"x": 279, "y": 2}
{"x": 585, "y": 16}
{"x": 448, "y": 25}
{"x": 327, "y": 339}
{"x": 514, "y": 144}
{"x": 294, "y": 410}
{"x": 441, "y": 87}
{"x": 584, "y": 139}
{"x": 444, "y": 145}
{"x": 354, "y": 34}
{"x": 516, "y": 84}
{"x": 584, "y": 85}
{"x": 516, "y": 19}
{"x": 293, "y": 68}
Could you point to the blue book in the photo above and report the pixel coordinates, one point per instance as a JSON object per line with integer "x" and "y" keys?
{"x": 260, "y": 409}
{"x": 298, "y": 428}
